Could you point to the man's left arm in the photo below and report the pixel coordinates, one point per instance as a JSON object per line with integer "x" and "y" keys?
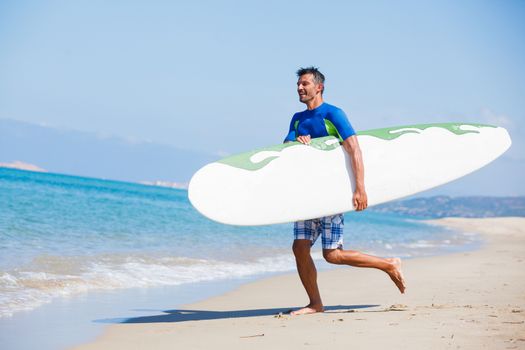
{"x": 351, "y": 145}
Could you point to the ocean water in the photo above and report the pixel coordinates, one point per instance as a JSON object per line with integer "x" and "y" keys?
{"x": 61, "y": 236}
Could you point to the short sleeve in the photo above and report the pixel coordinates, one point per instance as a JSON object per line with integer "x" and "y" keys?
{"x": 341, "y": 122}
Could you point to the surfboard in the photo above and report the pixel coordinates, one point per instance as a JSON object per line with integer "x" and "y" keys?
{"x": 292, "y": 181}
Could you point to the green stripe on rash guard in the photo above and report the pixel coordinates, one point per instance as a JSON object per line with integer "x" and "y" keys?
{"x": 389, "y": 134}
{"x": 243, "y": 160}
{"x": 332, "y": 130}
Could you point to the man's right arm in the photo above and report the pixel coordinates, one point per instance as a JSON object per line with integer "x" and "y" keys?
{"x": 360, "y": 198}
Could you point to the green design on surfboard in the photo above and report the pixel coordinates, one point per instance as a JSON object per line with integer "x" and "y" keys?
{"x": 328, "y": 143}
{"x": 390, "y": 133}
{"x": 244, "y": 161}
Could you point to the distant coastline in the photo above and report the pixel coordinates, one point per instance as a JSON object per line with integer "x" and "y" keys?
{"x": 170, "y": 184}
{"x": 22, "y": 166}
{"x": 465, "y": 207}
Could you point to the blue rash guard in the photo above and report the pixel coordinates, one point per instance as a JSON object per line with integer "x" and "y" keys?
{"x": 322, "y": 121}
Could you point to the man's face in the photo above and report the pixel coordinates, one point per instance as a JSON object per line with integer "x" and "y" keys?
{"x": 307, "y": 88}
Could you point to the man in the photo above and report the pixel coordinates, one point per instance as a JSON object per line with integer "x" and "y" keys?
{"x": 318, "y": 120}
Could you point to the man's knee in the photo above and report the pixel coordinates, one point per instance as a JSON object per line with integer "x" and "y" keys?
{"x": 301, "y": 247}
{"x": 332, "y": 256}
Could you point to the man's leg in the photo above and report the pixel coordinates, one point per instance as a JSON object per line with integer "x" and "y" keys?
{"x": 332, "y": 237}
{"x": 354, "y": 258}
{"x": 308, "y": 274}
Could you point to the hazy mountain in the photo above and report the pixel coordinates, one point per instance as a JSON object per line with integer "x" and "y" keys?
{"x": 89, "y": 154}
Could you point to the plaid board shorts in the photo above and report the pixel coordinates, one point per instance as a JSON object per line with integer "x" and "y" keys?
{"x": 330, "y": 228}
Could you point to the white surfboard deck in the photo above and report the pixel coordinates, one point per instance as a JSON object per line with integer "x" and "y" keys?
{"x": 292, "y": 181}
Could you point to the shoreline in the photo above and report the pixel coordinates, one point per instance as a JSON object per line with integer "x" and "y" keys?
{"x": 66, "y": 322}
{"x": 472, "y": 299}
{"x": 82, "y": 318}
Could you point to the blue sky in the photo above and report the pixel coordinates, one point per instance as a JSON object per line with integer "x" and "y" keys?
{"x": 218, "y": 76}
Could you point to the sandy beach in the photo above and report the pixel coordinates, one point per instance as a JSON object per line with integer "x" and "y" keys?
{"x": 469, "y": 300}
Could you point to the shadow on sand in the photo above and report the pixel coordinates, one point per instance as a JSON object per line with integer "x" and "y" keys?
{"x": 182, "y": 315}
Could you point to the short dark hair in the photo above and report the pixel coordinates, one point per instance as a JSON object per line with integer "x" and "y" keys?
{"x": 318, "y": 76}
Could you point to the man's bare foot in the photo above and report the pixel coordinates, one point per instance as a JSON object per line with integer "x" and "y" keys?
{"x": 308, "y": 309}
{"x": 396, "y": 274}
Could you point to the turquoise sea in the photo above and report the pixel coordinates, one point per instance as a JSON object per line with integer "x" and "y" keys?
{"x": 66, "y": 236}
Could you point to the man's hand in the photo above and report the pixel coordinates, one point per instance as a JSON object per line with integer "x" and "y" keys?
{"x": 360, "y": 200}
{"x": 306, "y": 139}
